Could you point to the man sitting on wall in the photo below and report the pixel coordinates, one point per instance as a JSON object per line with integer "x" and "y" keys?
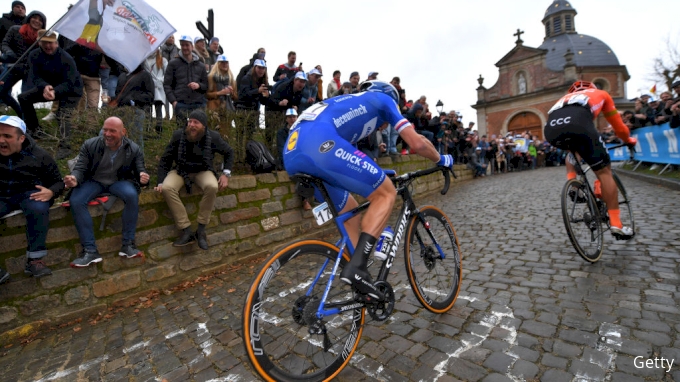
{"x": 192, "y": 151}
{"x": 108, "y": 163}
{"x": 30, "y": 182}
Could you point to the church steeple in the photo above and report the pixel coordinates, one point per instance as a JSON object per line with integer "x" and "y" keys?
{"x": 559, "y": 19}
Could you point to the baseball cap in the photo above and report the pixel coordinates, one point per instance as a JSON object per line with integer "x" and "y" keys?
{"x": 675, "y": 84}
{"x": 478, "y": 148}
{"x": 301, "y": 75}
{"x": 186, "y": 38}
{"x": 46, "y": 36}
{"x": 291, "y": 111}
{"x": 260, "y": 63}
{"x": 12, "y": 120}
{"x": 222, "y": 58}
{"x": 372, "y": 74}
{"x": 651, "y": 99}
{"x": 199, "y": 38}
{"x": 315, "y": 71}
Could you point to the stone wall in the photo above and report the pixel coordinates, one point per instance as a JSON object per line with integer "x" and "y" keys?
{"x": 252, "y": 217}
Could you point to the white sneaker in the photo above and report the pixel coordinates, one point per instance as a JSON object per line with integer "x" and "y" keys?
{"x": 623, "y": 233}
{"x": 50, "y": 117}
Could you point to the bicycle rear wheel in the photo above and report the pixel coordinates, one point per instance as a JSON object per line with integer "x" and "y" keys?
{"x": 624, "y": 205}
{"x": 582, "y": 220}
{"x": 280, "y": 309}
{"x": 435, "y": 281}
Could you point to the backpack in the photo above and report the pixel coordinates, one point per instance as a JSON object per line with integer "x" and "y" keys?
{"x": 259, "y": 158}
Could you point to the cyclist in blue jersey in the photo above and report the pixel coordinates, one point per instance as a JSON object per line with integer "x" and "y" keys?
{"x": 321, "y": 143}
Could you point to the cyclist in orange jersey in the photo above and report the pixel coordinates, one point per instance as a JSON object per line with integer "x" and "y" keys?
{"x": 570, "y": 127}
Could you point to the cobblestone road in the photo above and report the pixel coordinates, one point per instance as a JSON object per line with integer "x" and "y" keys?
{"x": 530, "y": 307}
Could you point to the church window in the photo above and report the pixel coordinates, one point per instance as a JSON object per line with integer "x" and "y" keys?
{"x": 567, "y": 23}
{"x": 547, "y": 28}
{"x": 557, "y": 24}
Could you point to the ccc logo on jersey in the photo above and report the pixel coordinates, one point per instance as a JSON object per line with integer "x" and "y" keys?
{"x": 293, "y": 140}
{"x": 560, "y": 121}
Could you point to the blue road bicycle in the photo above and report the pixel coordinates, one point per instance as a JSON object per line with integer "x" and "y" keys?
{"x": 301, "y": 323}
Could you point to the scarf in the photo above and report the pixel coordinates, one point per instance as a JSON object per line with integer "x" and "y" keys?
{"x": 337, "y": 82}
{"x": 182, "y": 158}
{"x": 29, "y": 34}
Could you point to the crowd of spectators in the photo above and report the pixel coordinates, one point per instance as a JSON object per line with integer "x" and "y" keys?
{"x": 193, "y": 81}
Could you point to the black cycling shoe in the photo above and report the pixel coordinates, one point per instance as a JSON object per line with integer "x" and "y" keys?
{"x": 361, "y": 281}
{"x": 577, "y": 196}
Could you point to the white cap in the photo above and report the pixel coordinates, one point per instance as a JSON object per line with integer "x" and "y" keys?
{"x": 15, "y": 121}
{"x": 187, "y": 38}
{"x": 291, "y": 111}
{"x": 260, "y": 63}
{"x": 315, "y": 71}
{"x": 199, "y": 38}
{"x": 373, "y": 74}
{"x": 301, "y": 75}
{"x": 222, "y": 58}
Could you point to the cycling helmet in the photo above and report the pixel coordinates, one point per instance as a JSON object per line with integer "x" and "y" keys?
{"x": 581, "y": 85}
{"x": 380, "y": 87}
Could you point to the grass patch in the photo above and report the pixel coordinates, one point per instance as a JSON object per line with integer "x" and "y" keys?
{"x": 644, "y": 168}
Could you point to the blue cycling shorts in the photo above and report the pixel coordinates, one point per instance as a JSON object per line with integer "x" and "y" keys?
{"x": 317, "y": 149}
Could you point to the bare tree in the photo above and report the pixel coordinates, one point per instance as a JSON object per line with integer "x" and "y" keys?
{"x": 667, "y": 65}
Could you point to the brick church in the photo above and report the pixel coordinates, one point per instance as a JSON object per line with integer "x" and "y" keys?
{"x": 531, "y": 80}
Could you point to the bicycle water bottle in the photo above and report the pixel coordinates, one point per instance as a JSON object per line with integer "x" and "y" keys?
{"x": 383, "y": 243}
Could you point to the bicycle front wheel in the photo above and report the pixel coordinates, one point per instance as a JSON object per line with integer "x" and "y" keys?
{"x": 279, "y": 316}
{"x": 624, "y": 205}
{"x": 435, "y": 280}
{"x": 582, "y": 220}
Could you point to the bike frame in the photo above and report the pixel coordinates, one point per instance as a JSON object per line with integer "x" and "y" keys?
{"x": 407, "y": 210}
{"x": 582, "y": 175}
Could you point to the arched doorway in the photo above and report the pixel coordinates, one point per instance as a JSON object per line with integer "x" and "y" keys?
{"x": 526, "y": 121}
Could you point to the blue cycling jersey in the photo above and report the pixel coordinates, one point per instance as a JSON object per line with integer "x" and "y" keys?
{"x": 321, "y": 142}
{"x": 355, "y": 116}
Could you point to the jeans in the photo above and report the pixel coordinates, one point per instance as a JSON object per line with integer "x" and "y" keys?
{"x": 111, "y": 83}
{"x": 37, "y": 220}
{"x": 390, "y": 138}
{"x": 426, "y": 134}
{"x": 182, "y": 111}
{"x": 87, "y": 191}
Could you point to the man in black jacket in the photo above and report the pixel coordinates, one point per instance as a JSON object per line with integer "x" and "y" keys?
{"x": 186, "y": 82}
{"x": 16, "y": 17}
{"x": 30, "y": 182}
{"x": 107, "y": 163}
{"x": 54, "y": 76}
{"x": 192, "y": 151}
{"x": 288, "y": 94}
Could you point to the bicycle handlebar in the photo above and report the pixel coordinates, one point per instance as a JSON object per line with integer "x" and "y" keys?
{"x": 416, "y": 174}
{"x": 631, "y": 148}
